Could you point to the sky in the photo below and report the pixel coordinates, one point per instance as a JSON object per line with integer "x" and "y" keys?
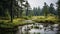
{"x": 36, "y": 3}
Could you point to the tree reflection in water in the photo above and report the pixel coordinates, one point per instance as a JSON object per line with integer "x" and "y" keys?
{"x": 42, "y": 29}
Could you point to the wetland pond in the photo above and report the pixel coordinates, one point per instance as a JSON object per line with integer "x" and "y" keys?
{"x": 39, "y": 28}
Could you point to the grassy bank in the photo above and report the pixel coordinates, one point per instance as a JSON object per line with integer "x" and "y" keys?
{"x": 45, "y": 19}
{"x": 21, "y": 21}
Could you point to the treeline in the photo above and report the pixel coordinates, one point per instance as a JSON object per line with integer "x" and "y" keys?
{"x": 45, "y": 10}
{"x": 18, "y": 8}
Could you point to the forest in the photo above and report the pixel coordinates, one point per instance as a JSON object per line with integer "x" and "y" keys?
{"x": 14, "y": 13}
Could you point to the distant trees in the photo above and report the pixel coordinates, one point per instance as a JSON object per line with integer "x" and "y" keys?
{"x": 45, "y": 10}
{"x": 36, "y": 11}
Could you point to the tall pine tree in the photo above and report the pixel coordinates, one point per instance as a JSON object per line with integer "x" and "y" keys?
{"x": 45, "y": 9}
{"x": 51, "y": 9}
{"x": 58, "y": 8}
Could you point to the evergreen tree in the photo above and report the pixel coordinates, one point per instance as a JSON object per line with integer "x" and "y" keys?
{"x": 35, "y": 11}
{"x": 21, "y": 5}
{"x": 28, "y": 8}
{"x": 58, "y": 8}
{"x": 51, "y": 9}
{"x": 12, "y": 7}
{"x": 38, "y": 11}
{"x": 45, "y": 9}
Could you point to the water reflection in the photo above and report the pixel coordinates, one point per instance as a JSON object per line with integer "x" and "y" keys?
{"x": 58, "y": 31}
{"x": 39, "y": 28}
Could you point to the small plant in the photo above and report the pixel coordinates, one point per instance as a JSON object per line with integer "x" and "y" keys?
{"x": 38, "y": 33}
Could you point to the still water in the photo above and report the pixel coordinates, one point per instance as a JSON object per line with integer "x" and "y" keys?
{"x": 39, "y": 28}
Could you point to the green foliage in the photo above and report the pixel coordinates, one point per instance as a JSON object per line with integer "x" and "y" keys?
{"x": 45, "y": 9}
{"x": 58, "y": 8}
{"x": 26, "y": 17}
{"x": 36, "y": 11}
{"x": 6, "y": 25}
{"x": 10, "y": 10}
{"x": 28, "y": 10}
{"x": 50, "y": 17}
{"x": 52, "y": 9}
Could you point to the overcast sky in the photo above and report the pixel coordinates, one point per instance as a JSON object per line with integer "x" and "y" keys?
{"x": 36, "y": 3}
